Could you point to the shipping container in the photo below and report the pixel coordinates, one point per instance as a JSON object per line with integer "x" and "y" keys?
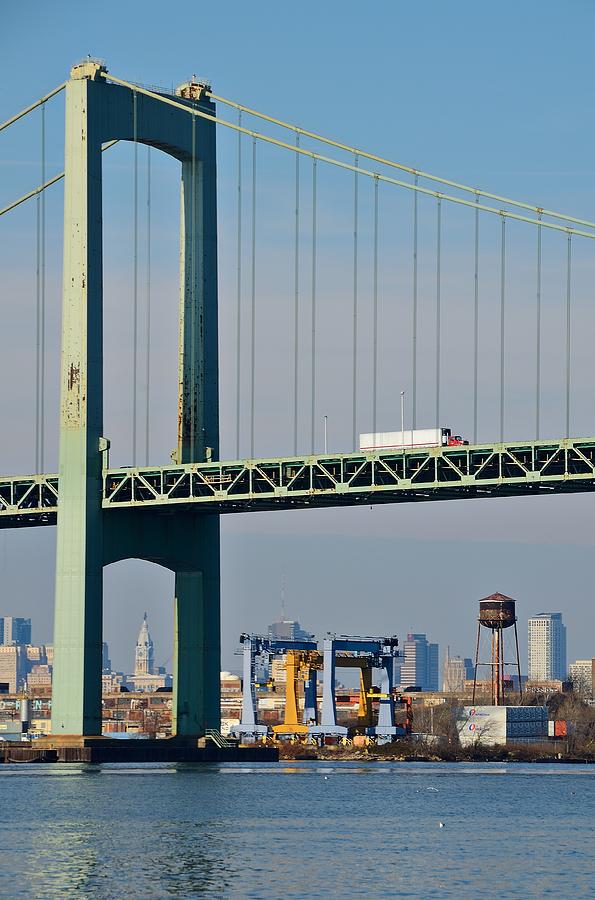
{"x": 526, "y": 713}
{"x": 498, "y": 724}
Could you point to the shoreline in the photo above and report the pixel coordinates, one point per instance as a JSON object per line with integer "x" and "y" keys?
{"x": 298, "y": 753}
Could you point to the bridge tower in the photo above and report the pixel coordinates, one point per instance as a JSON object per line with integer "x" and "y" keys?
{"x": 90, "y": 537}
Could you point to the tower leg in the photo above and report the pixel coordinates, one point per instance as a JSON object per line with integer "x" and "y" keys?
{"x": 79, "y": 555}
{"x": 197, "y": 641}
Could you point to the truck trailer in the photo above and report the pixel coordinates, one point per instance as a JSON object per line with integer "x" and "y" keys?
{"x": 410, "y": 439}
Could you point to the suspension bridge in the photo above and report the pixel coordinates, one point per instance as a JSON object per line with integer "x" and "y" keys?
{"x": 336, "y": 325}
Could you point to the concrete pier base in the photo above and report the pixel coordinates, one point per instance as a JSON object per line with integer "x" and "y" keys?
{"x": 112, "y": 750}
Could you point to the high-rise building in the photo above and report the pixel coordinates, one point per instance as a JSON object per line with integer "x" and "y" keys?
{"x": 14, "y": 630}
{"x": 420, "y": 663}
{"x": 106, "y": 663}
{"x": 547, "y": 648}
{"x": 288, "y": 630}
{"x": 144, "y": 655}
{"x": 40, "y": 678}
{"x": 13, "y": 667}
{"x": 582, "y": 676}
{"x": 455, "y": 673}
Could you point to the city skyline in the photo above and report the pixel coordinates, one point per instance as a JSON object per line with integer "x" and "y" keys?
{"x": 294, "y": 631}
{"x": 29, "y": 667}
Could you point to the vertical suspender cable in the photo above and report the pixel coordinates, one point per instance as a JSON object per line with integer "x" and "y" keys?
{"x": 538, "y": 336}
{"x": 253, "y": 301}
{"x": 37, "y": 330}
{"x": 414, "y": 342}
{"x": 375, "y": 315}
{"x": 135, "y": 282}
{"x": 568, "y": 359}
{"x": 239, "y": 291}
{"x": 42, "y": 322}
{"x": 40, "y": 312}
{"x": 502, "y": 335}
{"x": 296, "y": 294}
{"x": 438, "y": 301}
{"x": 313, "y": 377}
{"x": 148, "y": 336}
{"x": 476, "y": 324}
{"x": 355, "y": 300}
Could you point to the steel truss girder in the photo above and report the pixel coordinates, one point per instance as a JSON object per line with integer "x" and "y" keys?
{"x": 343, "y": 479}
{"x": 28, "y": 500}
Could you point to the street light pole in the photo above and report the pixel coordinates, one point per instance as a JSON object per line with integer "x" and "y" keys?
{"x": 403, "y": 418}
{"x": 325, "y": 435}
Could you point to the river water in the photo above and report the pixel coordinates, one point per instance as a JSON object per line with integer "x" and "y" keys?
{"x": 297, "y": 830}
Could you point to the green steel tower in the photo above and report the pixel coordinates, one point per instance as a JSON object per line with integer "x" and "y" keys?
{"x": 90, "y": 537}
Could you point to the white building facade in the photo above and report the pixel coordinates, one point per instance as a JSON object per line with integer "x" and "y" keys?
{"x": 547, "y": 648}
{"x": 582, "y": 676}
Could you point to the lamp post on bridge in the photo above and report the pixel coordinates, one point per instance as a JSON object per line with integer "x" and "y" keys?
{"x": 403, "y": 418}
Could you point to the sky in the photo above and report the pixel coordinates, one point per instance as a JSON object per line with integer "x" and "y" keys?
{"x": 496, "y": 96}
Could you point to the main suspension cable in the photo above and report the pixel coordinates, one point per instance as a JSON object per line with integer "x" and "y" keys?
{"x": 33, "y": 106}
{"x": 392, "y": 164}
{"x": 42, "y": 187}
{"x": 370, "y": 174}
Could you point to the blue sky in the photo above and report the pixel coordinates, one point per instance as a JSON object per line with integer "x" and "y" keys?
{"x": 498, "y": 96}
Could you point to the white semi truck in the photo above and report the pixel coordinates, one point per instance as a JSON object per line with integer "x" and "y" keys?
{"x": 408, "y": 439}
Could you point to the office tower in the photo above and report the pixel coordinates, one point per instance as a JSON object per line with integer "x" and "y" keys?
{"x": 582, "y": 675}
{"x": 106, "y": 663}
{"x": 455, "y": 673}
{"x": 144, "y": 657}
{"x": 547, "y": 647}
{"x": 420, "y": 663}
{"x": 288, "y": 630}
{"x": 14, "y": 630}
{"x": 13, "y": 668}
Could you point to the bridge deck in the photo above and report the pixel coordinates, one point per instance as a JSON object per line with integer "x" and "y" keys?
{"x": 338, "y": 479}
